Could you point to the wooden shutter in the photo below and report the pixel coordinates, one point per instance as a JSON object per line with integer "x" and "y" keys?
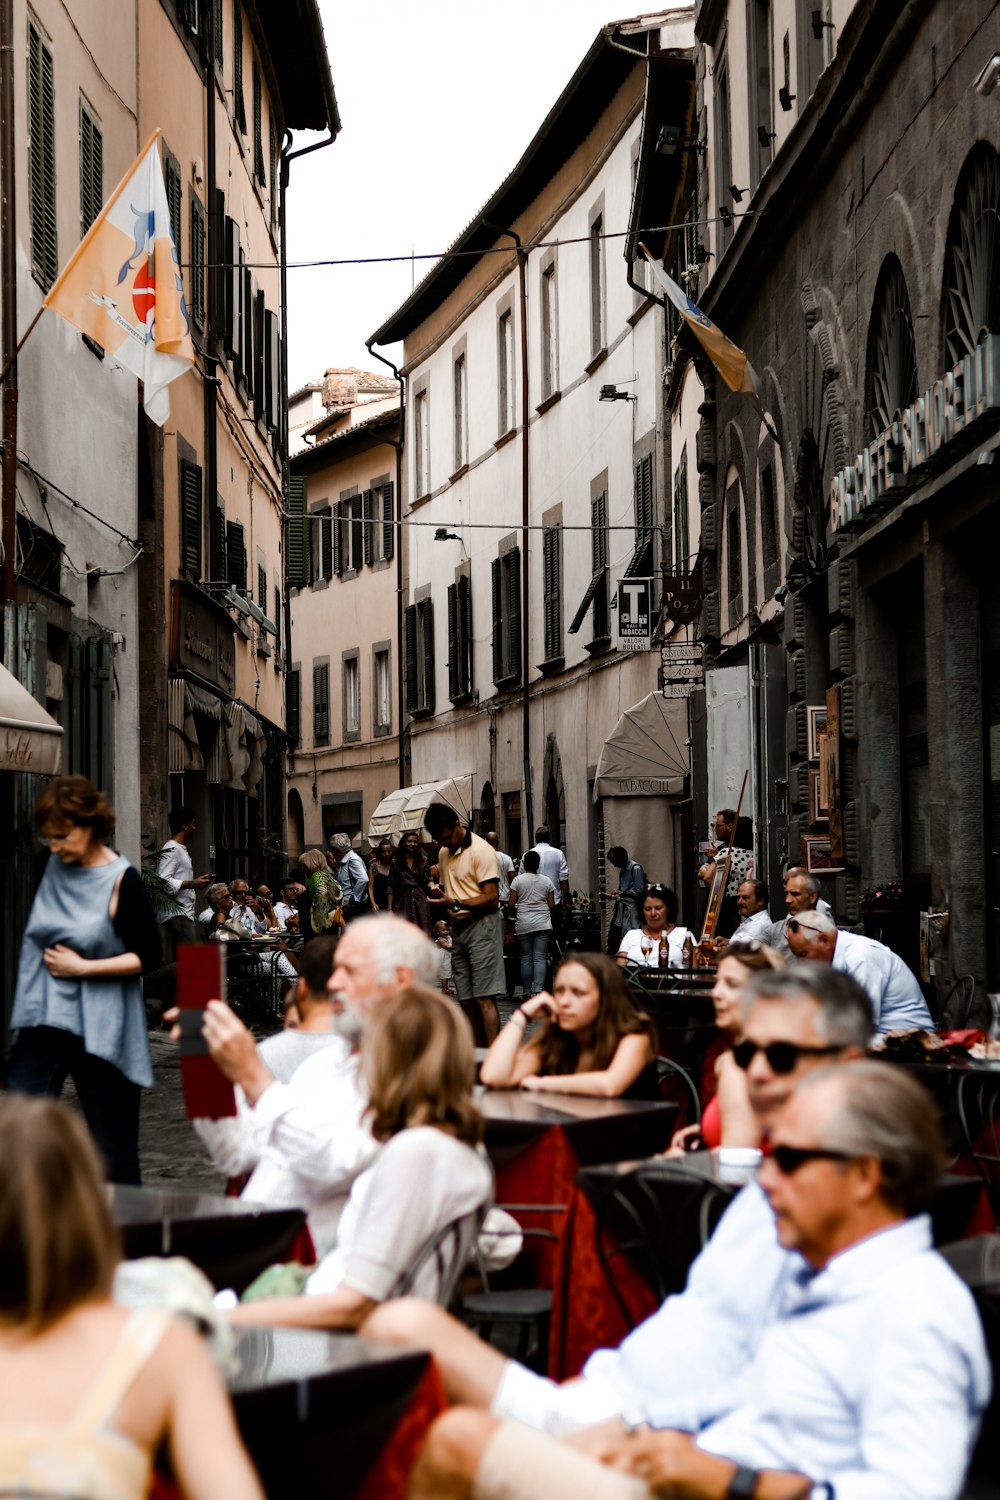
{"x": 219, "y": 54}
{"x": 273, "y": 144}
{"x": 236, "y": 556}
{"x": 172, "y": 181}
{"x": 599, "y": 532}
{"x": 277, "y": 621}
{"x": 321, "y": 703}
{"x": 410, "y": 657}
{"x": 427, "y": 679}
{"x": 337, "y": 528}
{"x": 232, "y": 286}
{"x": 297, "y": 534}
{"x": 197, "y": 267}
{"x": 352, "y": 509}
{"x": 217, "y": 543}
{"x": 272, "y": 372}
{"x": 259, "y": 388}
{"x": 327, "y": 525}
{"x": 262, "y": 588}
{"x": 368, "y": 541}
{"x": 512, "y": 563}
{"x": 496, "y": 581}
{"x": 258, "y": 127}
{"x": 239, "y": 108}
{"x": 293, "y": 705}
{"x": 551, "y": 589}
{"x": 190, "y": 484}
{"x": 42, "y": 158}
{"x": 454, "y": 662}
{"x": 644, "y": 495}
{"x": 465, "y": 634}
{"x": 91, "y": 168}
{"x": 388, "y": 528}
{"x": 246, "y": 324}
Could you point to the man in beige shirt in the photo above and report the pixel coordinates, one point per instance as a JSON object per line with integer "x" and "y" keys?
{"x": 471, "y": 882}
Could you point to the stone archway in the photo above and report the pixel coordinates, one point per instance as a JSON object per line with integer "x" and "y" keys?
{"x": 553, "y": 793}
{"x": 487, "y": 810}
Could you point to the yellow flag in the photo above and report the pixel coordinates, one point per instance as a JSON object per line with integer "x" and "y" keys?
{"x": 730, "y": 361}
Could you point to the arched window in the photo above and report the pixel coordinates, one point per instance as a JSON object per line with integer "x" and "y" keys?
{"x": 972, "y": 255}
{"x": 891, "y": 384}
{"x": 733, "y": 502}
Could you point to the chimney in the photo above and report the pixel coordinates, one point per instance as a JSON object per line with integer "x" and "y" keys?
{"x": 340, "y": 389}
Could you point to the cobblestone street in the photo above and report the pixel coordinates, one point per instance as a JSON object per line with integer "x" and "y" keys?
{"x": 169, "y": 1150}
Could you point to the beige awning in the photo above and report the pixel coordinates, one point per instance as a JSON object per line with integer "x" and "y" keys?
{"x": 404, "y": 810}
{"x": 30, "y": 739}
{"x": 645, "y": 754}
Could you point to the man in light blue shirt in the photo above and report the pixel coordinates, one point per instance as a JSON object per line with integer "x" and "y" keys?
{"x": 868, "y": 1382}
{"x": 898, "y": 1002}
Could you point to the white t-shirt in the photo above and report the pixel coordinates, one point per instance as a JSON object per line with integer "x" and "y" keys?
{"x": 421, "y": 1181}
{"x": 532, "y": 914}
{"x": 631, "y": 946}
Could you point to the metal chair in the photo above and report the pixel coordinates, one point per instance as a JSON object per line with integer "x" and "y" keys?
{"x": 450, "y": 1249}
{"x": 958, "y": 1004}
{"x": 660, "y": 1215}
{"x": 979, "y": 1118}
{"x": 524, "y": 1311}
{"x": 667, "y": 1068}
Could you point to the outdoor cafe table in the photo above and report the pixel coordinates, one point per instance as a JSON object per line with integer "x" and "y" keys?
{"x": 231, "y": 1240}
{"x": 537, "y": 1143}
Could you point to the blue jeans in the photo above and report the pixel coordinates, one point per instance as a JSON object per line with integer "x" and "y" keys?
{"x": 534, "y": 950}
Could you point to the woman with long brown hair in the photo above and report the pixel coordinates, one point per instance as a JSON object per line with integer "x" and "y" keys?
{"x": 78, "y": 1008}
{"x": 89, "y": 1391}
{"x": 592, "y": 1040}
{"x": 410, "y": 883}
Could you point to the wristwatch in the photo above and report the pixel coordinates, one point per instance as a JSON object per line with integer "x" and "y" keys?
{"x": 743, "y": 1484}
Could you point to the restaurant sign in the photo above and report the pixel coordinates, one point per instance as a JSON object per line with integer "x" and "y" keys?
{"x": 918, "y": 434}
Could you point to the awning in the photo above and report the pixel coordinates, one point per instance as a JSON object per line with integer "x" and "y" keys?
{"x": 645, "y": 754}
{"x": 404, "y": 810}
{"x": 30, "y": 739}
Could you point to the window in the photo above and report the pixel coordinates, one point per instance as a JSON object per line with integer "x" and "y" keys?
{"x": 293, "y": 705}
{"x": 322, "y": 551}
{"x": 321, "y": 702}
{"x": 197, "y": 263}
{"x": 598, "y": 287}
{"x": 239, "y": 109}
{"x": 505, "y": 371}
{"x": 769, "y": 527}
{"x": 218, "y": 32}
{"x": 352, "y": 533}
{"x": 552, "y": 590}
{"x": 507, "y": 617}
{"x": 42, "y": 158}
{"x": 91, "y": 166}
{"x": 236, "y": 557}
{"x": 682, "y": 545}
{"x": 813, "y": 50}
{"x": 641, "y": 562}
{"x": 382, "y": 689}
{"x": 421, "y": 444}
{"x": 191, "y": 524}
{"x": 723, "y": 146}
{"x": 597, "y": 589}
{"x": 387, "y": 539}
{"x": 759, "y": 44}
{"x": 258, "y": 127}
{"x": 262, "y": 588}
{"x": 376, "y": 512}
{"x": 550, "y": 333}
{"x": 172, "y": 180}
{"x": 277, "y": 621}
{"x": 89, "y": 711}
{"x": 418, "y": 632}
{"x": 351, "y": 681}
{"x": 460, "y": 384}
{"x": 297, "y": 524}
{"x": 459, "y": 640}
{"x": 272, "y": 141}
{"x": 734, "y": 559}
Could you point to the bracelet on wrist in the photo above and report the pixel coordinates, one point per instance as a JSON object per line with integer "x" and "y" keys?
{"x": 520, "y": 1011}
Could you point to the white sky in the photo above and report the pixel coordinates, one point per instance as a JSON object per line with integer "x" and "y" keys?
{"x": 438, "y": 100}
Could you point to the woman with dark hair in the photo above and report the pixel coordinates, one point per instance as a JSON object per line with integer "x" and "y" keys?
{"x": 410, "y": 883}
{"x": 78, "y": 1008}
{"x": 419, "y": 1069}
{"x": 592, "y": 1039}
{"x": 89, "y": 1391}
{"x": 659, "y": 920}
{"x": 379, "y": 871}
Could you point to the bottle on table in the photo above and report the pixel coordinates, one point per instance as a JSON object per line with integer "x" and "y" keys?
{"x": 664, "y": 951}
{"x": 687, "y": 952}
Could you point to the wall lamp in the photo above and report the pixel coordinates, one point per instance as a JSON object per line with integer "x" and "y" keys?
{"x": 671, "y": 140}
{"x": 737, "y": 194}
{"x": 612, "y": 393}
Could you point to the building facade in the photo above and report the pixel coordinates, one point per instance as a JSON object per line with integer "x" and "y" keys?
{"x": 534, "y": 483}
{"x": 848, "y": 203}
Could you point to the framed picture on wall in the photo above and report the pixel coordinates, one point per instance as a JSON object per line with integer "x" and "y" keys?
{"x": 816, "y": 724}
{"x": 818, "y": 811}
{"x": 816, "y": 856}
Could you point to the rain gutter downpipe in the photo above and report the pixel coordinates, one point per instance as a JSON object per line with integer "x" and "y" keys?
{"x": 8, "y": 302}
{"x": 398, "y": 445}
{"x": 522, "y": 268}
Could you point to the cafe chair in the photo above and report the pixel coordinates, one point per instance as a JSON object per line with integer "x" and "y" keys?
{"x": 658, "y": 1216}
{"x": 518, "y": 1316}
{"x": 666, "y": 1071}
{"x": 958, "y": 1005}
{"x": 979, "y": 1119}
{"x": 449, "y": 1250}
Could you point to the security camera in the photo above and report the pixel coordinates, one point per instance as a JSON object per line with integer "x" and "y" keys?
{"x": 990, "y": 76}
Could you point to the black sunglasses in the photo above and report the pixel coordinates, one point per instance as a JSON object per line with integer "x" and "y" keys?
{"x": 794, "y": 925}
{"x": 781, "y": 1056}
{"x": 789, "y": 1159}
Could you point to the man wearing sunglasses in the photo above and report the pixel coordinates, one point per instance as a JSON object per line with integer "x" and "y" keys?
{"x": 897, "y": 1000}
{"x": 686, "y": 1364}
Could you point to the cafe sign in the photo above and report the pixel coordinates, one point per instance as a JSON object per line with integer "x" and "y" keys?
{"x": 918, "y": 434}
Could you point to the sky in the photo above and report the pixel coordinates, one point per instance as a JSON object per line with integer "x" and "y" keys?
{"x": 438, "y": 99}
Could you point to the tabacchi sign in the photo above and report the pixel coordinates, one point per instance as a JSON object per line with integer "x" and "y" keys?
{"x": 918, "y": 434}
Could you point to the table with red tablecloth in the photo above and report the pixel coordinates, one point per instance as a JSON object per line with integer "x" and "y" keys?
{"x": 537, "y": 1143}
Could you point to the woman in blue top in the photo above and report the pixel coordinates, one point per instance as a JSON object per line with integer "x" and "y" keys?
{"x": 78, "y": 1007}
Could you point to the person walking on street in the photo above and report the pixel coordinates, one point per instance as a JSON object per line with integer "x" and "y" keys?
{"x": 349, "y": 868}
{"x": 532, "y": 898}
{"x": 631, "y": 880}
{"x": 552, "y": 862}
{"x": 471, "y": 883}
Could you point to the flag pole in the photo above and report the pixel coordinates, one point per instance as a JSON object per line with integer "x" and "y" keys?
{"x": 12, "y": 358}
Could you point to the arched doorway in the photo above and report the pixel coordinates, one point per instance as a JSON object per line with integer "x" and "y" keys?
{"x": 487, "y": 811}
{"x": 296, "y": 825}
{"x": 554, "y": 800}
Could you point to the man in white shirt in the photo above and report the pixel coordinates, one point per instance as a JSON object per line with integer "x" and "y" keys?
{"x": 552, "y": 862}
{"x": 505, "y": 867}
{"x": 898, "y": 1002}
{"x": 174, "y": 865}
{"x": 870, "y": 1378}
{"x": 241, "y": 911}
{"x": 291, "y": 890}
{"x": 801, "y": 894}
{"x": 755, "y": 919}
{"x": 306, "y": 1140}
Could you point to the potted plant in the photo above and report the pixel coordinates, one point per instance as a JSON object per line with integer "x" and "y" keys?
{"x": 882, "y": 911}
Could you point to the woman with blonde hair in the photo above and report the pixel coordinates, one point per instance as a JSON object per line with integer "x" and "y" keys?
{"x": 89, "y": 1391}
{"x": 418, "y": 1064}
{"x": 319, "y": 906}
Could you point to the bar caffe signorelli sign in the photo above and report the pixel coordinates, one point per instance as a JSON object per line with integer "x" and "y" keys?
{"x": 918, "y": 434}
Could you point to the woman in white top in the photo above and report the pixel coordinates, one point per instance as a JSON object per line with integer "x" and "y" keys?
{"x": 659, "y": 915}
{"x": 418, "y": 1064}
{"x": 532, "y": 899}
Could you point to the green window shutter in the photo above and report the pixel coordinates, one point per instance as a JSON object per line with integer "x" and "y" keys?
{"x": 368, "y": 540}
{"x": 197, "y": 268}
{"x": 496, "y": 580}
{"x": 277, "y": 622}
{"x": 293, "y": 705}
{"x": 217, "y": 543}
{"x": 258, "y": 353}
{"x": 232, "y": 300}
{"x": 258, "y": 127}
{"x": 321, "y": 703}
{"x": 410, "y": 657}
{"x": 244, "y": 356}
{"x": 219, "y": 54}
{"x": 297, "y": 534}
{"x": 357, "y": 534}
{"x": 388, "y": 529}
{"x": 190, "y": 480}
{"x": 551, "y": 585}
{"x": 262, "y": 588}
{"x": 172, "y": 179}
{"x": 427, "y": 681}
{"x": 239, "y": 109}
{"x": 338, "y": 533}
{"x": 42, "y": 159}
{"x": 465, "y": 634}
{"x": 236, "y": 556}
{"x": 454, "y": 663}
{"x": 512, "y": 562}
{"x": 326, "y": 528}
{"x": 272, "y": 372}
{"x": 91, "y": 168}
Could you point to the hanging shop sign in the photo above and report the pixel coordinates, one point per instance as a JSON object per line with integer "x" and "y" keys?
{"x": 948, "y": 407}
{"x": 635, "y": 614}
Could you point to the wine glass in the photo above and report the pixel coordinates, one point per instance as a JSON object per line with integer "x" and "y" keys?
{"x": 646, "y": 944}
